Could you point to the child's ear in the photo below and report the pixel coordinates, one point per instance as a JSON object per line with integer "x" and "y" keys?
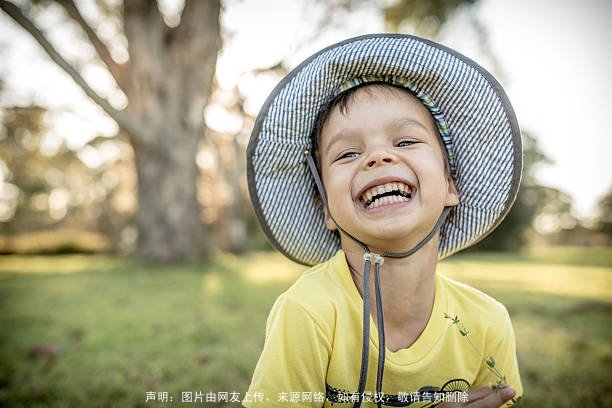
{"x": 452, "y": 194}
{"x": 329, "y": 223}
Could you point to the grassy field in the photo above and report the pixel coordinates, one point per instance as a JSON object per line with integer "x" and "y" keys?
{"x": 94, "y": 331}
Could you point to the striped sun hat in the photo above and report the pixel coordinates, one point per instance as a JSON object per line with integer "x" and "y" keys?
{"x": 476, "y": 122}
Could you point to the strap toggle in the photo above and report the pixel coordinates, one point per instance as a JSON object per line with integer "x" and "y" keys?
{"x": 373, "y": 258}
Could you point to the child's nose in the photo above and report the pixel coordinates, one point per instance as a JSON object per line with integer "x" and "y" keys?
{"x": 379, "y": 157}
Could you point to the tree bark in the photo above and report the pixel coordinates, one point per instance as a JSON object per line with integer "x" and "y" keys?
{"x": 169, "y": 80}
{"x": 168, "y": 216}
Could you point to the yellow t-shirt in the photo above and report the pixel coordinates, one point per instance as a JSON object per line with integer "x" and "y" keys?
{"x": 312, "y": 350}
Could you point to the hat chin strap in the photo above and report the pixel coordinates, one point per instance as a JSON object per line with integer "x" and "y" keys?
{"x": 377, "y": 259}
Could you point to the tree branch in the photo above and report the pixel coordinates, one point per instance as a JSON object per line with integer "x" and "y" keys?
{"x": 193, "y": 14}
{"x": 123, "y": 119}
{"x": 192, "y": 48}
{"x": 114, "y": 68}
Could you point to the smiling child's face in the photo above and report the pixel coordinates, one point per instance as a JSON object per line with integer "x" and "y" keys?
{"x": 383, "y": 169}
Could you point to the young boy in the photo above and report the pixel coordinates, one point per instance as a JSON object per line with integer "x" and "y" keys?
{"x": 415, "y": 154}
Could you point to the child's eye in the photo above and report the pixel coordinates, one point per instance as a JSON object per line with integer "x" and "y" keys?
{"x": 347, "y": 155}
{"x": 406, "y": 143}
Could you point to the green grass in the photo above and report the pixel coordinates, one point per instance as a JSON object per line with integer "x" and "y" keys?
{"x": 95, "y": 331}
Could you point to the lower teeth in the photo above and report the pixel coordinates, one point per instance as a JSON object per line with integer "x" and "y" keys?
{"x": 385, "y": 200}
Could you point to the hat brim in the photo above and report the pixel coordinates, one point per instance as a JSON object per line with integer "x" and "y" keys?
{"x": 484, "y": 129}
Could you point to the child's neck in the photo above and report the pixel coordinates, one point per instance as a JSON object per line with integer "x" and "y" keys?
{"x": 408, "y": 290}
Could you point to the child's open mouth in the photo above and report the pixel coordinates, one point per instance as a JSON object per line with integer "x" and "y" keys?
{"x": 385, "y": 194}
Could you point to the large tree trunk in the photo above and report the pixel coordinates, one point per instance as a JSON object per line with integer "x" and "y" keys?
{"x": 169, "y": 79}
{"x": 168, "y": 217}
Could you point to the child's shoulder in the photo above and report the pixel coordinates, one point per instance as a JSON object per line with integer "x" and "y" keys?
{"x": 465, "y": 300}
{"x": 314, "y": 300}
{"x": 320, "y": 288}
{"x": 316, "y": 283}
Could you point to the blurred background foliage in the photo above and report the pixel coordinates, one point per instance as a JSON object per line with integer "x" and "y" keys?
{"x": 53, "y": 202}
{"x": 55, "y": 198}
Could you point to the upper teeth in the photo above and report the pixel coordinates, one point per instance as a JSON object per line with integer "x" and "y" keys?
{"x": 404, "y": 191}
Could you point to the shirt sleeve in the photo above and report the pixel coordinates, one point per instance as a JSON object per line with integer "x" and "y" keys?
{"x": 501, "y": 344}
{"x": 294, "y": 359}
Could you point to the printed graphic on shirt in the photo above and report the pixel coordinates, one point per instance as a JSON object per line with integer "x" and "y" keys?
{"x": 426, "y": 396}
